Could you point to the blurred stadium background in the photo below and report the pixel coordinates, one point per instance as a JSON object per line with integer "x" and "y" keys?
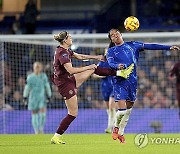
{"x": 88, "y": 21}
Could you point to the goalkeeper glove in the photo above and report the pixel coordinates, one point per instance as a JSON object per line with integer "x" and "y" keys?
{"x": 25, "y": 102}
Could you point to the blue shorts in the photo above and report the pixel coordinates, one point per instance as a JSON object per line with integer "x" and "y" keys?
{"x": 125, "y": 92}
{"x": 107, "y": 92}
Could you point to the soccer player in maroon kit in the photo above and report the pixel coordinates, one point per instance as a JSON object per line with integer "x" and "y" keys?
{"x": 68, "y": 78}
{"x": 175, "y": 71}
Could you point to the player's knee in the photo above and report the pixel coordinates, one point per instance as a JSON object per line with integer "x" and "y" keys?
{"x": 129, "y": 104}
{"x": 73, "y": 113}
{"x": 35, "y": 111}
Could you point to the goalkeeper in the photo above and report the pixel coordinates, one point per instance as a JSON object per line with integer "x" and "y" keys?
{"x": 38, "y": 90}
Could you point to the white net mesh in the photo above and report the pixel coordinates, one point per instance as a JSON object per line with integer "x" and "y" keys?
{"x": 156, "y": 106}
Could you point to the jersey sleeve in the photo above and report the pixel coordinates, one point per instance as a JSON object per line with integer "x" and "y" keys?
{"x": 71, "y": 52}
{"x": 64, "y": 57}
{"x": 27, "y": 87}
{"x": 138, "y": 45}
{"x": 110, "y": 59}
{"x": 47, "y": 86}
{"x": 156, "y": 47}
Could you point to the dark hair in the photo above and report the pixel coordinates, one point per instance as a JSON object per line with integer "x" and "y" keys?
{"x": 109, "y": 36}
{"x": 61, "y": 36}
{"x": 111, "y": 44}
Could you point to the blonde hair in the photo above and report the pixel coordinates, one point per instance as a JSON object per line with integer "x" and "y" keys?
{"x": 37, "y": 63}
{"x": 61, "y": 36}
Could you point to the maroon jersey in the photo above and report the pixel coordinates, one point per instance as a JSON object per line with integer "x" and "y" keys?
{"x": 176, "y": 71}
{"x": 61, "y": 57}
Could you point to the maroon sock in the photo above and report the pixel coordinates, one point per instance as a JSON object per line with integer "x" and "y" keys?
{"x": 104, "y": 71}
{"x": 65, "y": 124}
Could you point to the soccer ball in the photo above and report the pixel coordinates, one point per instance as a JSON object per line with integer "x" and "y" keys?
{"x": 131, "y": 23}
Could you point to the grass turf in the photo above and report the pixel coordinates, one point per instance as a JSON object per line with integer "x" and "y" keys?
{"x": 82, "y": 144}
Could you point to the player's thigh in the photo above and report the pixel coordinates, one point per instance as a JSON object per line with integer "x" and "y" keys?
{"x": 42, "y": 105}
{"x": 72, "y": 105}
{"x": 107, "y": 104}
{"x": 112, "y": 103}
{"x": 121, "y": 104}
{"x": 42, "y": 110}
{"x": 82, "y": 77}
{"x": 129, "y": 104}
{"x": 34, "y": 111}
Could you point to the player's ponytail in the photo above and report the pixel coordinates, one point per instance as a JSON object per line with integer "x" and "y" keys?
{"x": 61, "y": 36}
{"x": 111, "y": 44}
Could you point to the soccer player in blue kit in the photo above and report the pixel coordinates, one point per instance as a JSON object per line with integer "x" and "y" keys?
{"x": 121, "y": 56}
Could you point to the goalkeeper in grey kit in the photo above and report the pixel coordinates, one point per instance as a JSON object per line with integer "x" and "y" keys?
{"x": 37, "y": 90}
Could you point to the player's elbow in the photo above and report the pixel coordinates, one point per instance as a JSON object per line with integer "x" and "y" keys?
{"x": 78, "y": 56}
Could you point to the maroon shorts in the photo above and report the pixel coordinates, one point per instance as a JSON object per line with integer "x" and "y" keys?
{"x": 68, "y": 88}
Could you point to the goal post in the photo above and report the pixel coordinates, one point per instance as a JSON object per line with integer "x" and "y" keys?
{"x": 155, "y": 108}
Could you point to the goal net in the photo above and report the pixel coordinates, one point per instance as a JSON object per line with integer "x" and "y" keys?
{"x": 155, "y": 110}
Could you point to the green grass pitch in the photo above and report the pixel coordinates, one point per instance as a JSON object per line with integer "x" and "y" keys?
{"x": 82, "y": 144}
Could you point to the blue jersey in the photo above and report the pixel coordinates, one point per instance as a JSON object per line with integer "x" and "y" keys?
{"x": 126, "y": 54}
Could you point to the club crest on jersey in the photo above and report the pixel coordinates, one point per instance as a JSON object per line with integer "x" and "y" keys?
{"x": 130, "y": 48}
{"x": 65, "y": 55}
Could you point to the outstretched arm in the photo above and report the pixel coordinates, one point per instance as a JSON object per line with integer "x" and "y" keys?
{"x": 160, "y": 47}
{"x": 87, "y": 57}
{"x": 75, "y": 70}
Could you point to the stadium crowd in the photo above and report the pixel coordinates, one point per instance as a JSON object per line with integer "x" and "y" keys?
{"x": 153, "y": 14}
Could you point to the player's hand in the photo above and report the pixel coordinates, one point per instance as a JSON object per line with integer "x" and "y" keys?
{"x": 93, "y": 66}
{"x": 121, "y": 66}
{"x": 174, "y": 48}
{"x": 25, "y": 101}
{"x": 100, "y": 58}
{"x": 171, "y": 78}
{"x": 48, "y": 100}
